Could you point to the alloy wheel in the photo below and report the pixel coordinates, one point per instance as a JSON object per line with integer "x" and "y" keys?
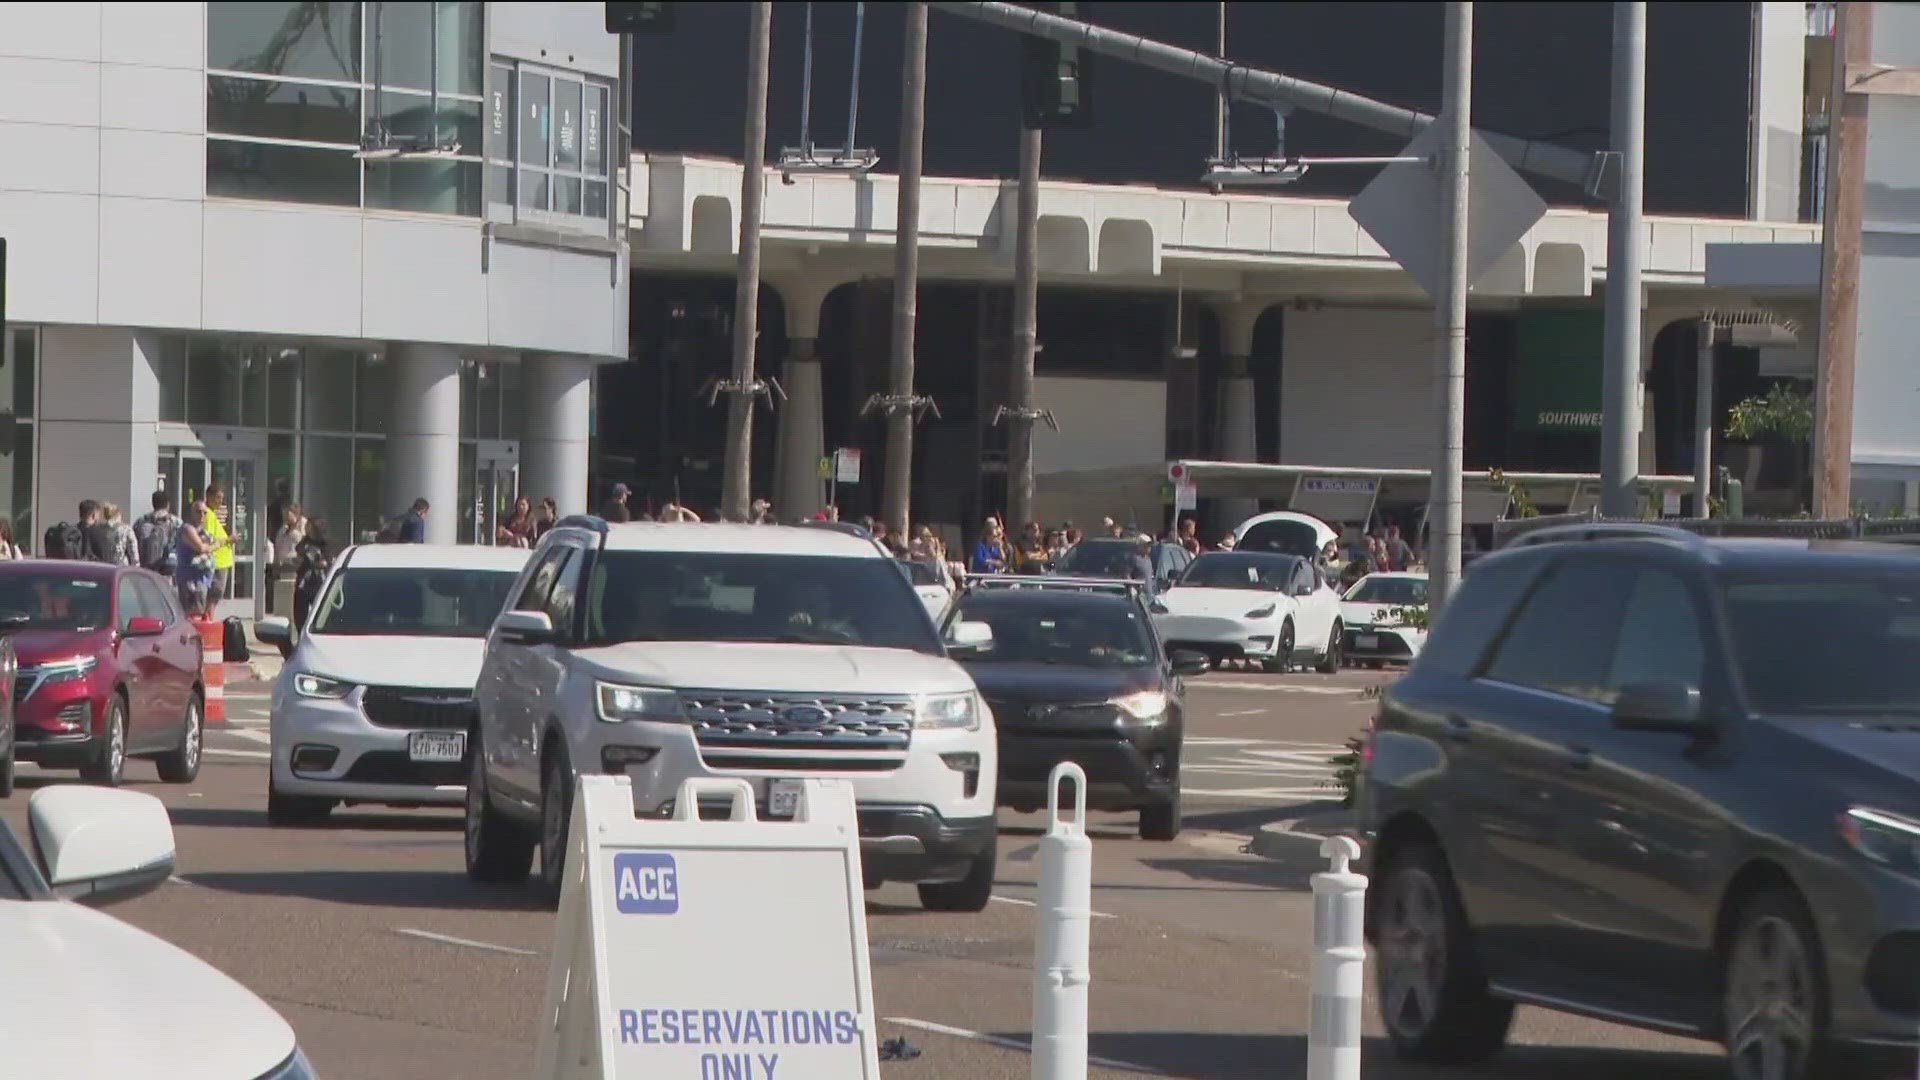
{"x": 1770, "y": 1002}
{"x": 116, "y": 745}
{"x": 190, "y": 748}
{"x": 1413, "y": 953}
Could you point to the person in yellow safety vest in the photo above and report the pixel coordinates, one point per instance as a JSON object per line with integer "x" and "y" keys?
{"x": 222, "y": 543}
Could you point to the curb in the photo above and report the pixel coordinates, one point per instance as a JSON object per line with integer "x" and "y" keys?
{"x": 1300, "y": 838}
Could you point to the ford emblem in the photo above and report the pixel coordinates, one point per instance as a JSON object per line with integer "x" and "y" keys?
{"x": 805, "y": 714}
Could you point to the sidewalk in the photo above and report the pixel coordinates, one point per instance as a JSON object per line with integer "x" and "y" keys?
{"x": 262, "y": 667}
{"x": 1300, "y": 838}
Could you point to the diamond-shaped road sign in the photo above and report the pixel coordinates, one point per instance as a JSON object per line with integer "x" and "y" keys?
{"x": 1401, "y": 210}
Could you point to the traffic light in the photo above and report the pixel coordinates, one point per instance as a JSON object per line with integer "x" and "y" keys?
{"x": 1056, "y": 88}
{"x": 639, "y": 18}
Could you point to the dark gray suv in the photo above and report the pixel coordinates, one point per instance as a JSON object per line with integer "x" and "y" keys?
{"x": 1664, "y": 781}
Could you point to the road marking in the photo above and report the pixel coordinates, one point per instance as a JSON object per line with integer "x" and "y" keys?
{"x": 1031, "y": 904}
{"x": 446, "y": 939}
{"x": 1275, "y": 688}
{"x": 1243, "y": 712}
{"x": 259, "y": 755}
{"x": 1012, "y": 1044}
{"x": 253, "y": 734}
{"x": 178, "y": 880}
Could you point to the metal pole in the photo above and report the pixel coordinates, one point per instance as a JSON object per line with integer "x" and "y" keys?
{"x": 1620, "y": 381}
{"x": 737, "y": 481}
{"x": 1026, "y": 302}
{"x": 1450, "y": 314}
{"x": 1703, "y": 415}
{"x": 897, "y": 502}
{"x": 1220, "y": 102}
{"x": 1266, "y": 87}
{"x": 1840, "y": 268}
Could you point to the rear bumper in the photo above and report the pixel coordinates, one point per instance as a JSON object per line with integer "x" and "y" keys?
{"x": 1122, "y": 773}
{"x": 1385, "y": 644}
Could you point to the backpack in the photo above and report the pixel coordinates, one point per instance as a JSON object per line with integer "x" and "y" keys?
{"x": 156, "y": 540}
{"x": 101, "y": 544}
{"x": 65, "y": 541}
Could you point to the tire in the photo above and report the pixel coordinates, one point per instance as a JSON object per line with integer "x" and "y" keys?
{"x": 1282, "y": 653}
{"x": 556, "y": 819}
{"x": 1774, "y": 992}
{"x": 1161, "y": 821}
{"x": 182, "y": 764}
{"x": 294, "y": 810}
{"x": 499, "y": 851}
{"x": 971, "y": 893}
{"x": 1432, "y": 992}
{"x": 1330, "y": 661}
{"x": 111, "y": 769}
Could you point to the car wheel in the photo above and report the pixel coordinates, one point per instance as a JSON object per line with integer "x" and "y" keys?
{"x": 1282, "y": 657}
{"x": 499, "y": 851}
{"x": 556, "y": 815}
{"x": 1433, "y": 995}
{"x": 1330, "y": 662}
{"x": 1161, "y": 821}
{"x": 111, "y": 769}
{"x": 285, "y": 810}
{"x": 970, "y": 893}
{"x": 182, "y": 764}
{"x": 1775, "y": 992}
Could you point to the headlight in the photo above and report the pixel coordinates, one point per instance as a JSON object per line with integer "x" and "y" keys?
{"x": 70, "y": 670}
{"x": 319, "y": 686}
{"x": 1145, "y": 705}
{"x": 621, "y": 703}
{"x": 1889, "y": 839}
{"x": 947, "y": 712}
{"x": 1261, "y": 612}
{"x": 294, "y": 1068}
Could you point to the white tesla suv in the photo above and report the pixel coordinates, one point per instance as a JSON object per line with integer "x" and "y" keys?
{"x": 1275, "y": 610}
{"x": 770, "y": 653}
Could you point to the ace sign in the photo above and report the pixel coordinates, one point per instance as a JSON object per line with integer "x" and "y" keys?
{"x": 668, "y": 962}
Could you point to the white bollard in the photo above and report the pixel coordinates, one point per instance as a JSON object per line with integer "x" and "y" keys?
{"x": 1339, "y": 964}
{"x": 1062, "y": 943}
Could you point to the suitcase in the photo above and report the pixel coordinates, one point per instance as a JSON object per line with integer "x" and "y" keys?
{"x": 234, "y": 641}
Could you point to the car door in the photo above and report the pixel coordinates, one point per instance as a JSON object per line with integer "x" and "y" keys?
{"x": 138, "y": 661}
{"x": 503, "y": 684}
{"x": 178, "y": 651}
{"x": 1313, "y": 617}
{"x": 547, "y": 662}
{"x": 1538, "y": 701}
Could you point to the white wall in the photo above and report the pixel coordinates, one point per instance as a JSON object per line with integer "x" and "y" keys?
{"x": 1886, "y": 394}
{"x": 1778, "y": 70}
{"x": 1356, "y": 388}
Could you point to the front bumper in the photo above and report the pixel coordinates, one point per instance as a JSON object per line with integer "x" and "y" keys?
{"x": 367, "y": 763}
{"x": 58, "y": 725}
{"x": 1123, "y": 773}
{"x": 1218, "y": 638}
{"x": 1872, "y": 952}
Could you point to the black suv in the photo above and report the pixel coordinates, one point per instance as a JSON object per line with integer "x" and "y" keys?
{"x": 1076, "y": 673}
{"x": 1660, "y": 780}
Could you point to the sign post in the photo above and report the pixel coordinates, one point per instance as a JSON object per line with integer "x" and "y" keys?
{"x": 666, "y": 965}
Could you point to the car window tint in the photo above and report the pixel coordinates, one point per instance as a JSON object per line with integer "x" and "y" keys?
{"x": 1478, "y": 609}
{"x": 127, "y": 600}
{"x": 1661, "y": 639}
{"x": 566, "y": 586}
{"x": 540, "y": 582}
{"x": 1563, "y": 639}
{"x": 154, "y": 602}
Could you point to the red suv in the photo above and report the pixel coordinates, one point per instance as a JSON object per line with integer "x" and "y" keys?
{"x": 108, "y": 668}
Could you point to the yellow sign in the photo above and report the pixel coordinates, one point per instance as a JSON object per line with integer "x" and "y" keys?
{"x": 826, "y": 468}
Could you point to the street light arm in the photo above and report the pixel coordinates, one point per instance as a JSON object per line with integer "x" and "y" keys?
{"x": 1268, "y": 88}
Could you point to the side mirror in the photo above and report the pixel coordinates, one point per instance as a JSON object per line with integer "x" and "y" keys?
{"x": 1672, "y": 707}
{"x": 12, "y": 622}
{"x": 98, "y": 845}
{"x": 274, "y": 630}
{"x": 969, "y": 638}
{"x": 144, "y": 626}
{"x": 1187, "y": 662}
{"x": 525, "y": 627}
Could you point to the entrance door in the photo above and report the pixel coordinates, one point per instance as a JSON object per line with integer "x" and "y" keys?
{"x": 189, "y": 475}
{"x": 496, "y": 483}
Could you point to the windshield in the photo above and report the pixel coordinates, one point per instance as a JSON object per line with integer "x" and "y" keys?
{"x": 412, "y": 601}
{"x": 1396, "y": 592}
{"x": 1284, "y": 537}
{"x": 1099, "y": 633}
{"x": 58, "y": 601}
{"x": 750, "y": 596}
{"x": 1828, "y": 642}
{"x": 1099, "y": 558}
{"x": 1224, "y": 570}
{"x": 921, "y": 573}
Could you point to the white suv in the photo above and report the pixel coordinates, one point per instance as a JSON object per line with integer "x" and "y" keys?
{"x": 771, "y": 653}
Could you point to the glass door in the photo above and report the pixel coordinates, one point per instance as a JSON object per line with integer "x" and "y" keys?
{"x": 186, "y": 474}
{"x": 496, "y": 483}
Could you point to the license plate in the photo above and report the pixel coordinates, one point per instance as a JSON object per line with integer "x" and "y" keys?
{"x": 1366, "y": 641}
{"x": 437, "y": 746}
{"x": 783, "y": 798}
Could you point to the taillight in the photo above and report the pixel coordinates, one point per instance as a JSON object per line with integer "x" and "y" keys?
{"x": 1366, "y": 744}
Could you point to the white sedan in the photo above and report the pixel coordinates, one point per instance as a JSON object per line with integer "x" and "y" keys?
{"x": 1385, "y": 617}
{"x": 167, "y": 1014}
{"x": 1276, "y": 610}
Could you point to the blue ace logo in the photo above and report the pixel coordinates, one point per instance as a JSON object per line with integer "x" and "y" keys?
{"x": 646, "y": 883}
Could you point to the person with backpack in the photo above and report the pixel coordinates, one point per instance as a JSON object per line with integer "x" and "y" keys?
{"x": 125, "y": 549}
{"x": 91, "y": 540}
{"x": 154, "y": 535}
{"x": 193, "y": 563}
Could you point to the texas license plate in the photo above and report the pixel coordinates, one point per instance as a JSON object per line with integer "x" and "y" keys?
{"x": 1366, "y": 641}
{"x": 783, "y": 798}
{"x": 436, "y": 746}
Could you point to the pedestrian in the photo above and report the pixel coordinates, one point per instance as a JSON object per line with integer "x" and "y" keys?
{"x": 311, "y": 559}
{"x": 287, "y": 534}
{"x": 154, "y": 535}
{"x": 1399, "y": 552}
{"x": 762, "y": 513}
{"x": 213, "y": 528}
{"x": 1030, "y": 554}
{"x": 517, "y": 530}
{"x": 1189, "y": 535}
{"x": 124, "y": 549}
{"x": 990, "y": 554}
{"x": 1056, "y": 546}
{"x": 1142, "y": 563}
{"x": 193, "y": 561}
{"x": 1226, "y": 542}
{"x": 1112, "y": 528}
{"x": 8, "y": 549}
{"x": 615, "y": 508}
{"x": 544, "y": 520}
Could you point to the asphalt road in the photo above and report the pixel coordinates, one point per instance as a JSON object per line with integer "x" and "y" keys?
{"x": 366, "y": 934}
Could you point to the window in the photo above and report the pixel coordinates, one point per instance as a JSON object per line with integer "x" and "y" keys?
{"x": 213, "y": 383}
{"x": 373, "y": 407}
{"x": 326, "y": 483}
{"x": 369, "y": 472}
{"x": 566, "y": 589}
{"x": 128, "y": 603}
{"x": 1827, "y": 640}
{"x": 552, "y": 161}
{"x": 540, "y": 582}
{"x": 1661, "y": 639}
{"x": 1233, "y": 570}
{"x": 154, "y": 601}
{"x": 1070, "y": 631}
{"x": 412, "y": 602}
{"x": 1473, "y": 616}
{"x": 328, "y": 390}
{"x": 1563, "y": 639}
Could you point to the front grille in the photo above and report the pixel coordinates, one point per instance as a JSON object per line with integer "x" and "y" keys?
{"x": 731, "y": 720}
{"x": 413, "y": 708}
{"x": 394, "y": 767}
{"x": 809, "y": 763}
{"x": 1049, "y": 717}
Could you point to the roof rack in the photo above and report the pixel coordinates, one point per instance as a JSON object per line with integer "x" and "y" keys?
{"x": 1115, "y": 586}
{"x": 1604, "y": 530}
{"x": 589, "y": 522}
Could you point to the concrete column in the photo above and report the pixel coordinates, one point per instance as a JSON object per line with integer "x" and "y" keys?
{"x": 553, "y": 440}
{"x": 1238, "y": 431}
{"x": 800, "y": 423}
{"x": 423, "y": 437}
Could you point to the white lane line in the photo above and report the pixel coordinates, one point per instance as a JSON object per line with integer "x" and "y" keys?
{"x": 446, "y": 939}
{"x": 178, "y": 880}
{"x": 1012, "y": 1044}
{"x": 253, "y": 735}
{"x": 1031, "y": 904}
{"x": 1242, "y": 712}
{"x": 257, "y": 755}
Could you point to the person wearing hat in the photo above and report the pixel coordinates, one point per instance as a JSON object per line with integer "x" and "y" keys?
{"x": 616, "y": 508}
{"x": 1143, "y": 562}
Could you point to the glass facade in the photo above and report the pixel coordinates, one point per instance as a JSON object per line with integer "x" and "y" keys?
{"x": 549, "y": 135}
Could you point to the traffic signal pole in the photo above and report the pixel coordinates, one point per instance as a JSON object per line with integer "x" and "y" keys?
{"x": 741, "y": 391}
